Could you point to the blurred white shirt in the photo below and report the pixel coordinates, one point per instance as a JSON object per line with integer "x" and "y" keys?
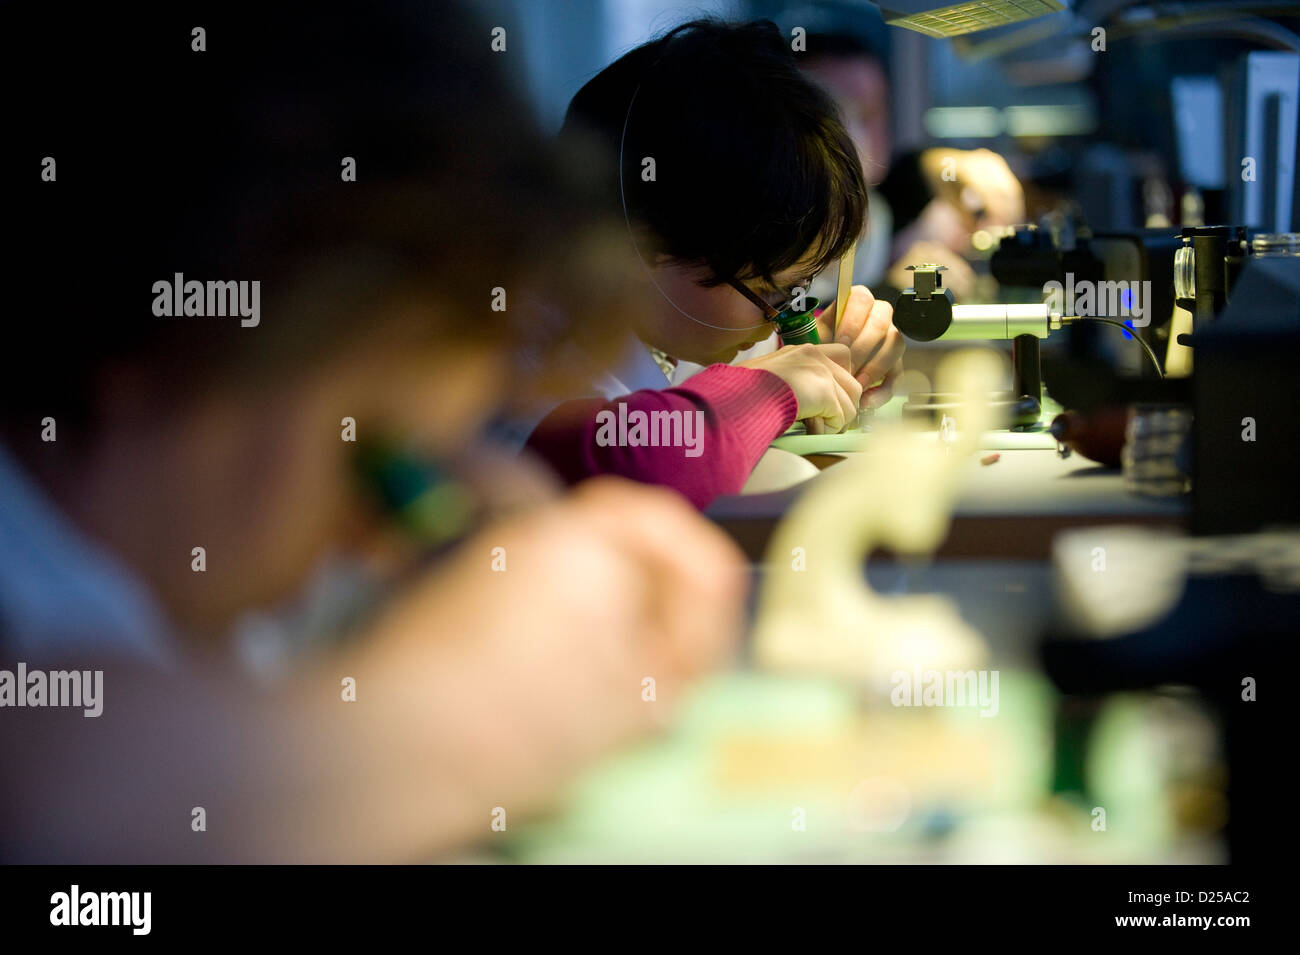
{"x": 61, "y": 594}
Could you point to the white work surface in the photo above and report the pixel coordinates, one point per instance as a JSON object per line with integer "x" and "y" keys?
{"x": 1020, "y": 482}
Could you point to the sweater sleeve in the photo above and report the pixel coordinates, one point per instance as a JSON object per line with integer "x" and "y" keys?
{"x": 702, "y": 438}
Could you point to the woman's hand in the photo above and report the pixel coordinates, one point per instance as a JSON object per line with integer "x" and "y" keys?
{"x": 876, "y": 347}
{"x": 821, "y": 381}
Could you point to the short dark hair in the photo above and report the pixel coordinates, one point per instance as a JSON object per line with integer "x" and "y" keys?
{"x": 753, "y": 169}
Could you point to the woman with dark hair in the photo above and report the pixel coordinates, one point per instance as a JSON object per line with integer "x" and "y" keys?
{"x": 739, "y": 185}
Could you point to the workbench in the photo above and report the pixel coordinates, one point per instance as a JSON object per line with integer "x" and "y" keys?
{"x": 1010, "y": 509}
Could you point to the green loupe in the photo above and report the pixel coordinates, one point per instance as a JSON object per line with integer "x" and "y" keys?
{"x": 798, "y": 327}
{"x": 416, "y": 494}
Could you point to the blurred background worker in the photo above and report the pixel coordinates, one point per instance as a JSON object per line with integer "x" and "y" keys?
{"x": 177, "y": 493}
{"x": 925, "y": 203}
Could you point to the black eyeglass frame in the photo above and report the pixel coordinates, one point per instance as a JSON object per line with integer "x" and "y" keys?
{"x": 770, "y": 311}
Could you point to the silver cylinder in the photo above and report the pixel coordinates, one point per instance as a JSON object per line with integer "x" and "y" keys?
{"x": 985, "y": 322}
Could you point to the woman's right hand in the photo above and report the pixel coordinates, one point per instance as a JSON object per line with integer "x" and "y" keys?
{"x": 820, "y": 377}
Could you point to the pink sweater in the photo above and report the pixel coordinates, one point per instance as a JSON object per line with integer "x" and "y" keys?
{"x": 701, "y": 438}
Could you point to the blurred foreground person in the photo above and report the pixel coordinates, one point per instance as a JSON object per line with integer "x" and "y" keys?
{"x": 250, "y": 255}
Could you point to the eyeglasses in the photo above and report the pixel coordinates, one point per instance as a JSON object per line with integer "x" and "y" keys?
{"x": 770, "y": 311}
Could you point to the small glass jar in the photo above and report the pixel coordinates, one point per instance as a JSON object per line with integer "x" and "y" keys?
{"x": 1273, "y": 244}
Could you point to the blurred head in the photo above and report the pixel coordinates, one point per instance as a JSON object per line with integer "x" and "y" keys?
{"x": 381, "y": 294}
{"x": 729, "y": 165}
{"x": 852, "y": 71}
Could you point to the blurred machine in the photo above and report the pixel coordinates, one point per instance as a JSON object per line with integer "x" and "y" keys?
{"x": 1230, "y": 594}
{"x": 1212, "y": 421}
{"x": 1241, "y": 289}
